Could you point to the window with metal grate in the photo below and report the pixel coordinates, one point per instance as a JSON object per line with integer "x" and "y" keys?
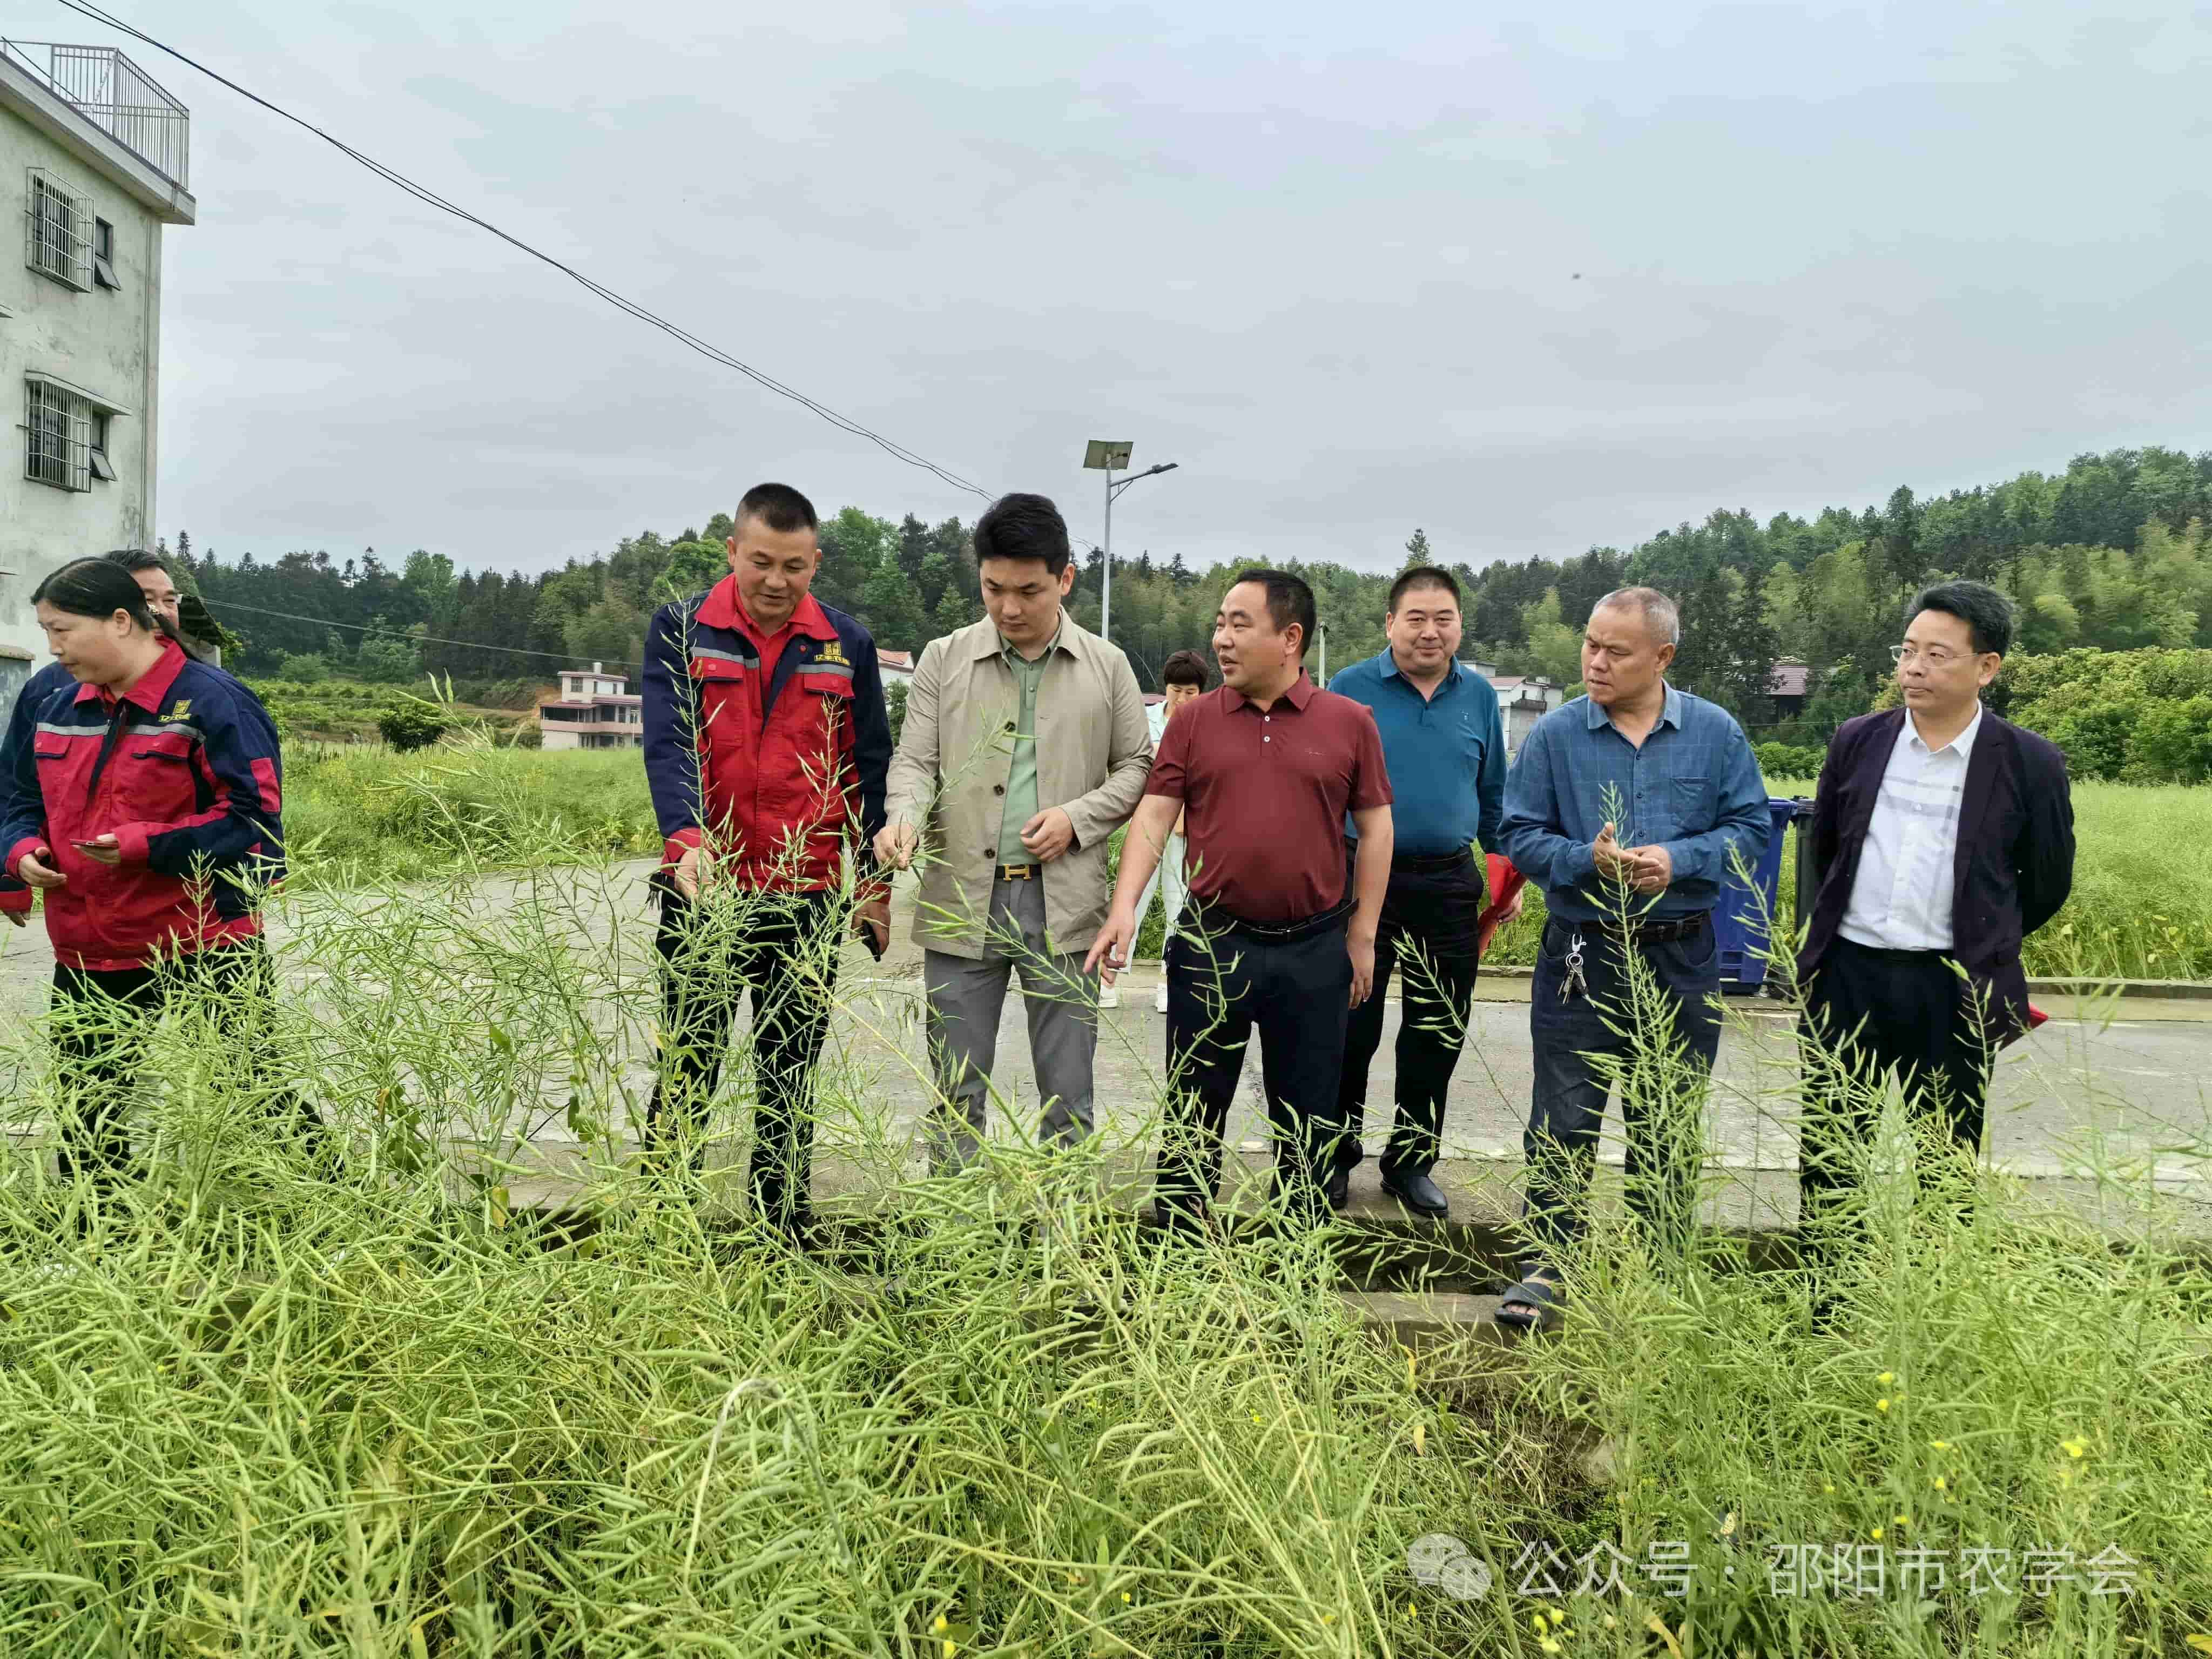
{"x": 57, "y": 428}
{"x": 60, "y": 226}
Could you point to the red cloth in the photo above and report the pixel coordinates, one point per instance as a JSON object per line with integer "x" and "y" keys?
{"x": 1265, "y": 794}
{"x": 777, "y": 770}
{"x": 185, "y": 777}
{"x": 1505, "y": 882}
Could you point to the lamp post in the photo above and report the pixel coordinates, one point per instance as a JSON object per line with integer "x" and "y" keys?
{"x": 1105, "y": 455}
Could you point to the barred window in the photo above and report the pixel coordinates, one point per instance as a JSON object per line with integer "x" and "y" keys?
{"x": 60, "y": 225}
{"x": 58, "y": 437}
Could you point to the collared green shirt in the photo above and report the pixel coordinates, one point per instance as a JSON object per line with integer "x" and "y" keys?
{"x": 1022, "y": 776}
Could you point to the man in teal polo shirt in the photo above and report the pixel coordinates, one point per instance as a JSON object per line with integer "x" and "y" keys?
{"x": 1444, "y": 743}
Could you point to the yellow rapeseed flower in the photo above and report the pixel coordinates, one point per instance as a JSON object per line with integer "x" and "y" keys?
{"x": 1942, "y": 1484}
{"x": 1882, "y": 1404}
{"x": 1828, "y": 1486}
{"x": 1887, "y": 1378}
{"x": 1904, "y": 1520}
{"x": 1557, "y": 1617}
{"x": 1876, "y": 1533}
{"x": 937, "y": 1626}
{"x": 951, "y": 1648}
{"x": 2075, "y": 1448}
{"x": 1125, "y": 1596}
{"x": 1940, "y": 1446}
{"x": 1536, "y": 1623}
{"x": 1548, "y": 1645}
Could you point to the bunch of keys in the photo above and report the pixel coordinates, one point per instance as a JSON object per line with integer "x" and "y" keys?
{"x": 1574, "y": 985}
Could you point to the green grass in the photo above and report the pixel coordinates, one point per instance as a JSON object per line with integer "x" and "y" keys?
{"x": 2142, "y": 905}
{"x": 356, "y": 813}
{"x": 242, "y": 1412}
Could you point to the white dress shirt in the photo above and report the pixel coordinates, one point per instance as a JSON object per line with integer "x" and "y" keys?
{"x": 1907, "y": 875}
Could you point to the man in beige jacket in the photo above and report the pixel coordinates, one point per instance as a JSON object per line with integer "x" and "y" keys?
{"x": 1026, "y": 747}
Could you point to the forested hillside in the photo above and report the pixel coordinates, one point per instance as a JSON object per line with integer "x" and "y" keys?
{"x": 2110, "y": 554}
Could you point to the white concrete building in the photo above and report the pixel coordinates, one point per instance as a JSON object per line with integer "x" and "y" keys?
{"x": 1523, "y": 699}
{"x": 596, "y": 709}
{"x": 94, "y": 162}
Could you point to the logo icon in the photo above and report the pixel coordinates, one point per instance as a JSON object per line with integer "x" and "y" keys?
{"x": 1444, "y": 1561}
{"x": 833, "y": 651}
{"x": 178, "y": 709}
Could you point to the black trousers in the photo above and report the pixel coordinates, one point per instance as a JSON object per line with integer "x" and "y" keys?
{"x": 1221, "y": 984}
{"x": 102, "y": 1018}
{"x": 1431, "y": 917}
{"x": 1907, "y": 1011}
{"x": 1580, "y": 1040}
{"x": 782, "y": 947}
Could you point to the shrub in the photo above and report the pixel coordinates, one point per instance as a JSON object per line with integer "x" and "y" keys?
{"x": 1782, "y": 760}
{"x": 308, "y": 670}
{"x": 2139, "y": 716}
{"x": 413, "y": 725}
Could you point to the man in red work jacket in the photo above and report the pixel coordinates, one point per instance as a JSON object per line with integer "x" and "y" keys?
{"x": 767, "y": 747}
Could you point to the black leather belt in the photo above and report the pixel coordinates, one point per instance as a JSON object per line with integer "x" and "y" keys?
{"x": 1212, "y": 919}
{"x": 1418, "y": 863}
{"x": 1646, "y": 932}
{"x": 1430, "y": 863}
{"x": 1890, "y": 953}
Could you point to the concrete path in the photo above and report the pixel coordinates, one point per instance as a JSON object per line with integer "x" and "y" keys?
{"x": 2118, "y": 1086}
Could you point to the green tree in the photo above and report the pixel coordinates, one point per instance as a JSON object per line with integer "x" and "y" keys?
{"x": 611, "y": 631}
{"x": 890, "y": 609}
{"x": 1554, "y": 648}
{"x": 388, "y": 659}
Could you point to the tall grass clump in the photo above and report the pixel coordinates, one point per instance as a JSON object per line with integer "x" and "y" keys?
{"x": 2138, "y": 911}
{"x": 356, "y": 813}
{"x": 501, "y": 1390}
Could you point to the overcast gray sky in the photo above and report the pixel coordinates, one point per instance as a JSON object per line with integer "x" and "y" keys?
{"x": 1325, "y": 256}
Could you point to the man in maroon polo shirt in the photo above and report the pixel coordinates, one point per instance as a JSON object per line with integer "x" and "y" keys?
{"x": 1264, "y": 770}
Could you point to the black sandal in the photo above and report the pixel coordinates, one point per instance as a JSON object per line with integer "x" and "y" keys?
{"x": 1529, "y": 1304}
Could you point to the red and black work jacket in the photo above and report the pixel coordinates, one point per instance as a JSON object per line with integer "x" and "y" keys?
{"x": 773, "y": 752}
{"x": 184, "y": 771}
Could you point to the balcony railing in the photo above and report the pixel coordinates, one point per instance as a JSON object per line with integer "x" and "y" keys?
{"x": 119, "y": 98}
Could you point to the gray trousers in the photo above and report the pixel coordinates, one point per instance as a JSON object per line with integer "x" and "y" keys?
{"x": 964, "y": 1000}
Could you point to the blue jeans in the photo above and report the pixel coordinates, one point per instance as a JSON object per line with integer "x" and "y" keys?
{"x": 1577, "y": 1056}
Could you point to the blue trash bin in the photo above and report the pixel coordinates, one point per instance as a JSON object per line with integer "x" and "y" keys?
{"x": 1740, "y": 920}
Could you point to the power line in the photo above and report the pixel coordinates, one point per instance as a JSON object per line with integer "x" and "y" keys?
{"x": 431, "y": 198}
{"x": 419, "y": 639}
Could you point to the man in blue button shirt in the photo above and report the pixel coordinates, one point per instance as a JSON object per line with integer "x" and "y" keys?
{"x": 1627, "y": 805}
{"x": 1445, "y": 746}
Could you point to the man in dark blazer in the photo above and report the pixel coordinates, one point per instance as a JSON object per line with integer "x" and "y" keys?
{"x": 1942, "y": 836}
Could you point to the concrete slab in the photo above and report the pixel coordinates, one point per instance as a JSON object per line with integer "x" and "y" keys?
{"x": 2107, "y": 1091}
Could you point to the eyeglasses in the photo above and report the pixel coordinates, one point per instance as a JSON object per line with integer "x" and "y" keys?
{"x": 1936, "y": 656}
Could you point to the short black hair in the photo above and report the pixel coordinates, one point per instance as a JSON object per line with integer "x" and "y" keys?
{"x": 1184, "y": 668}
{"x": 1288, "y": 600}
{"x": 779, "y": 507}
{"x": 1023, "y": 526}
{"x": 100, "y": 585}
{"x": 135, "y": 559}
{"x": 1987, "y": 612}
{"x": 1422, "y": 575}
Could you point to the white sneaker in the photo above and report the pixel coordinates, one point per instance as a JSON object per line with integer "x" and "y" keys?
{"x": 1160, "y": 1000}
{"x": 1109, "y": 996}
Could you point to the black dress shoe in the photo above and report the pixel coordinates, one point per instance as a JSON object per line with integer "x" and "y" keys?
{"x": 1338, "y": 1187}
{"x": 1418, "y": 1194}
